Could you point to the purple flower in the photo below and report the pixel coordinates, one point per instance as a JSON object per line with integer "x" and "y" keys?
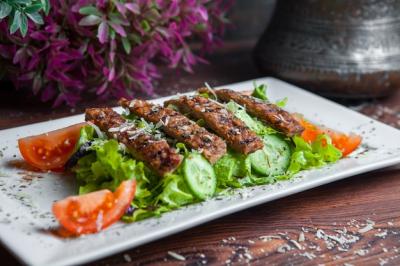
{"x": 110, "y": 49}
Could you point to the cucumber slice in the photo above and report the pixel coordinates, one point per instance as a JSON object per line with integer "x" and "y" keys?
{"x": 199, "y": 175}
{"x": 274, "y": 158}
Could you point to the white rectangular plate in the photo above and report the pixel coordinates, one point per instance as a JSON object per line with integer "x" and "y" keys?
{"x": 26, "y": 197}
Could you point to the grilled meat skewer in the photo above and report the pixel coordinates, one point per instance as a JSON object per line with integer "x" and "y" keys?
{"x": 157, "y": 154}
{"x": 236, "y": 134}
{"x": 269, "y": 113}
{"x": 179, "y": 127}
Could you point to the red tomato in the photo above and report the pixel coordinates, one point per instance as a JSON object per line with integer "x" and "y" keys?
{"x": 94, "y": 211}
{"x": 345, "y": 143}
{"x": 310, "y": 132}
{"x": 50, "y": 150}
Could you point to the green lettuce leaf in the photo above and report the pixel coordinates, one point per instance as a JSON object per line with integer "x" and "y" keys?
{"x": 175, "y": 192}
{"x": 229, "y": 168}
{"x": 260, "y": 91}
{"x": 316, "y": 154}
{"x": 282, "y": 102}
{"x": 234, "y": 170}
{"x": 255, "y": 180}
{"x": 86, "y": 134}
{"x": 145, "y": 213}
{"x": 170, "y": 193}
{"x": 107, "y": 166}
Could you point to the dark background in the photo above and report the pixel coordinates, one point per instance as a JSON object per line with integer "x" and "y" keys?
{"x": 249, "y": 19}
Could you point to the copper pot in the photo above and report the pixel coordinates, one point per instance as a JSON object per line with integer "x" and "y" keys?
{"x": 338, "y": 48}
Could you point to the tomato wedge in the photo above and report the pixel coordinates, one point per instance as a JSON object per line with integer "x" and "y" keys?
{"x": 345, "y": 143}
{"x": 94, "y": 211}
{"x": 50, "y": 150}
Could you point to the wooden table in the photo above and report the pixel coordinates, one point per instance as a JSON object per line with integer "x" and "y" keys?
{"x": 355, "y": 221}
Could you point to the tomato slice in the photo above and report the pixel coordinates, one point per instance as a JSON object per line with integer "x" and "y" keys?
{"x": 92, "y": 212}
{"x": 50, "y": 150}
{"x": 345, "y": 143}
{"x": 310, "y": 132}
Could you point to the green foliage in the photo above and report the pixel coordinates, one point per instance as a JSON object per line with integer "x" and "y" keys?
{"x": 306, "y": 156}
{"x": 19, "y": 11}
{"x": 260, "y": 92}
{"x": 107, "y": 167}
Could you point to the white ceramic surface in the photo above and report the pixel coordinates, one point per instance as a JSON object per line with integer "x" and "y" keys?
{"x": 26, "y": 197}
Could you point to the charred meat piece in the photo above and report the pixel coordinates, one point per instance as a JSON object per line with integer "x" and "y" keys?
{"x": 157, "y": 154}
{"x": 216, "y": 117}
{"x": 179, "y": 127}
{"x": 269, "y": 113}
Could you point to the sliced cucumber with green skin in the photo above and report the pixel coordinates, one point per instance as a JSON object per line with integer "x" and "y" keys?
{"x": 274, "y": 158}
{"x": 199, "y": 175}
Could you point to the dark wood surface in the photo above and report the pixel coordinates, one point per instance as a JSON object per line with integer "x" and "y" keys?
{"x": 355, "y": 221}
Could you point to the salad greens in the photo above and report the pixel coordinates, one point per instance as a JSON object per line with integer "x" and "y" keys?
{"x": 105, "y": 164}
{"x": 317, "y": 154}
{"x": 106, "y": 167}
{"x": 260, "y": 92}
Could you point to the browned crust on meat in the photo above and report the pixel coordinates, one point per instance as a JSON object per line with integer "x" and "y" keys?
{"x": 269, "y": 113}
{"x": 157, "y": 154}
{"x": 179, "y": 127}
{"x": 236, "y": 134}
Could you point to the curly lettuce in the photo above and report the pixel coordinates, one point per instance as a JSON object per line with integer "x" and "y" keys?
{"x": 260, "y": 92}
{"x": 311, "y": 155}
{"x": 107, "y": 166}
